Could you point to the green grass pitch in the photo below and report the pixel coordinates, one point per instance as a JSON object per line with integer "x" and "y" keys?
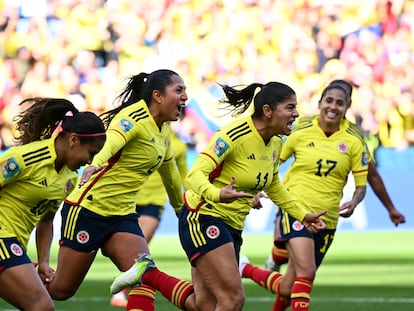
{"x": 362, "y": 271}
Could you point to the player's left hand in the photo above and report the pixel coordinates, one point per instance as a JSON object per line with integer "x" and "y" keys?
{"x": 46, "y": 273}
{"x": 87, "y": 174}
{"x": 396, "y": 217}
{"x": 347, "y": 209}
{"x": 257, "y": 202}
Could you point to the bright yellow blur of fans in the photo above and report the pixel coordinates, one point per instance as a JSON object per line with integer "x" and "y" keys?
{"x": 83, "y": 50}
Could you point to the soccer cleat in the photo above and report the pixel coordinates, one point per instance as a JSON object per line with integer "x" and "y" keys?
{"x": 271, "y": 265}
{"x": 243, "y": 261}
{"x": 119, "y": 300}
{"x": 132, "y": 277}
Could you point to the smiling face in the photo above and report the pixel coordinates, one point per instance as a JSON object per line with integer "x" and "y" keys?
{"x": 333, "y": 107}
{"x": 284, "y": 115}
{"x": 78, "y": 154}
{"x": 172, "y": 100}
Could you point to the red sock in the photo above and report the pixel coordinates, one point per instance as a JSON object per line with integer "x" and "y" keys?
{"x": 172, "y": 288}
{"x": 280, "y": 255}
{"x": 265, "y": 278}
{"x": 300, "y": 296}
{"x": 141, "y": 298}
{"x": 280, "y": 304}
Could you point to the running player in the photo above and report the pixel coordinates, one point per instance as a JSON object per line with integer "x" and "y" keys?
{"x": 100, "y": 213}
{"x": 150, "y": 204}
{"x": 36, "y": 175}
{"x": 326, "y": 149}
{"x": 279, "y": 256}
{"x": 227, "y": 180}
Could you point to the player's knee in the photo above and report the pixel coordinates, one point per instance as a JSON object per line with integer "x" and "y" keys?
{"x": 309, "y": 272}
{"x": 38, "y": 301}
{"x": 48, "y": 306}
{"x": 239, "y": 302}
{"x": 233, "y": 302}
{"x": 285, "y": 294}
{"x": 284, "y": 291}
{"x": 61, "y": 293}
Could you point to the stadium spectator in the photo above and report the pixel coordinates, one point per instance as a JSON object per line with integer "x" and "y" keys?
{"x": 37, "y": 175}
{"x": 100, "y": 213}
{"x": 316, "y": 179}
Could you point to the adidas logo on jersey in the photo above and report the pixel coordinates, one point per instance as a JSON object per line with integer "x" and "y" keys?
{"x": 251, "y": 157}
{"x": 43, "y": 182}
{"x": 311, "y": 144}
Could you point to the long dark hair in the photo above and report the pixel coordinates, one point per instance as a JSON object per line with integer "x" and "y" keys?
{"x": 347, "y": 85}
{"x": 139, "y": 87}
{"x": 271, "y": 93}
{"x": 340, "y": 87}
{"x": 44, "y": 115}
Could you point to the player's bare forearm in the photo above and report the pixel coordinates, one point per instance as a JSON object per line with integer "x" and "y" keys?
{"x": 377, "y": 184}
{"x": 359, "y": 194}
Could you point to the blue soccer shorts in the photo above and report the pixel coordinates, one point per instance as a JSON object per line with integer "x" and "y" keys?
{"x": 200, "y": 234}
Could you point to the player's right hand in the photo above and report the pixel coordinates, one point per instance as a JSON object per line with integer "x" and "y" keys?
{"x": 313, "y": 223}
{"x": 228, "y": 194}
{"x": 87, "y": 174}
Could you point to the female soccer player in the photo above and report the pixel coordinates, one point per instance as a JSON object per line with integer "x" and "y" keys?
{"x": 227, "y": 180}
{"x": 151, "y": 201}
{"x": 279, "y": 255}
{"x": 100, "y": 213}
{"x": 36, "y": 175}
{"x": 326, "y": 149}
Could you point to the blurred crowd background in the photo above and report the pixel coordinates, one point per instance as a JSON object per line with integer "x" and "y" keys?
{"x": 84, "y": 50}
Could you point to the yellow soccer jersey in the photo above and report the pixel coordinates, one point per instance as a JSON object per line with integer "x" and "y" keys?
{"x": 30, "y": 187}
{"x": 153, "y": 191}
{"x": 237, "y": 150}
{"x": 135, "y": 148}
{"x": 352, "y": 127}
{"x": 322, "y": 164}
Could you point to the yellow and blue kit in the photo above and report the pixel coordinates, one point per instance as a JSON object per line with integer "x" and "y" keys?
{"x": 135, "y": 148}
{"x": 30, "y": 187}
{"x": 322, "y": 164}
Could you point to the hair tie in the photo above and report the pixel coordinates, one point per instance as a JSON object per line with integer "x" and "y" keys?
{"x": 59, "y": 127}
{"x": 86, "y": 135}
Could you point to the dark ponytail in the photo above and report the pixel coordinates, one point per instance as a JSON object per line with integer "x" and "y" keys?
{"x": 238, "y": 100}
{"x": 271, "y": 94}
{"x": 44, "y": 115}
{"x": 139, "y": 87}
